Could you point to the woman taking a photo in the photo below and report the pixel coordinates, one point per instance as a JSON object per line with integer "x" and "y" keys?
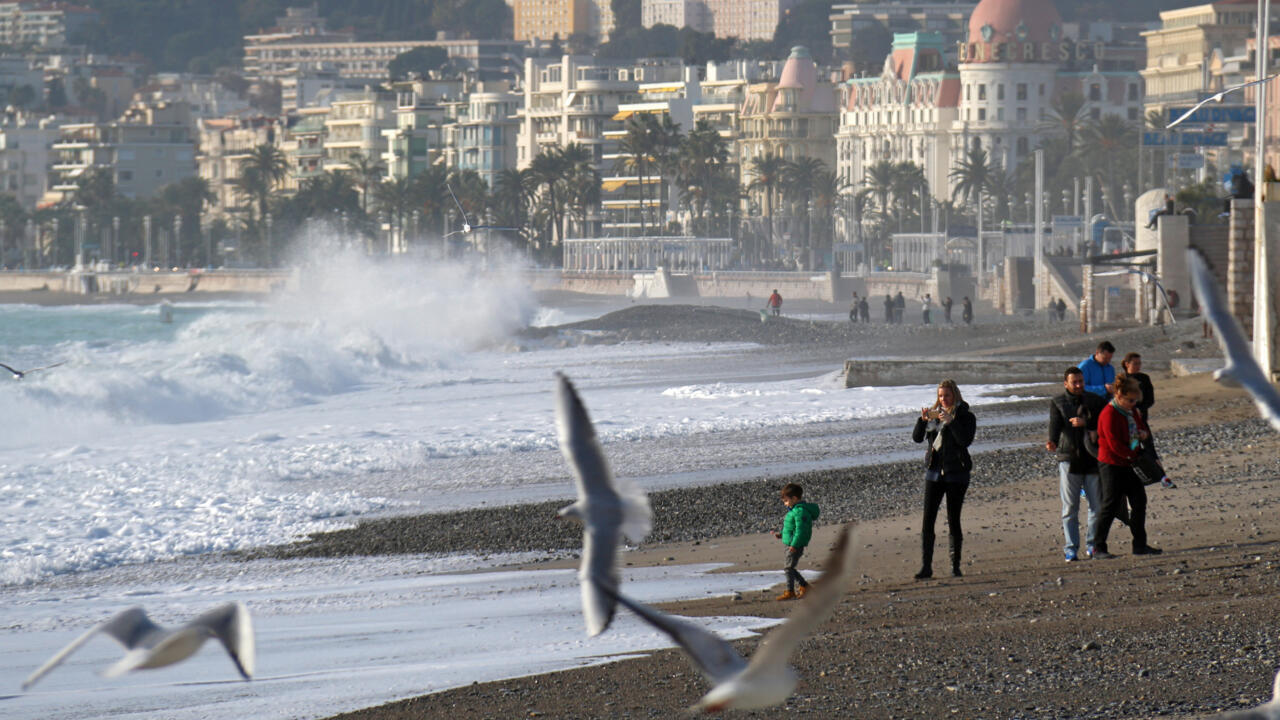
{"x": 947, "y": 427}
{"x": 1121, "y": 431}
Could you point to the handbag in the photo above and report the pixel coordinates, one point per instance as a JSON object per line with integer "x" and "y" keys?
{"x": 1147, "y": 466}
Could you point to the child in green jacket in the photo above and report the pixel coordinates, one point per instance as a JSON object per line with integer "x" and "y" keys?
{"x": 797, "y": 526}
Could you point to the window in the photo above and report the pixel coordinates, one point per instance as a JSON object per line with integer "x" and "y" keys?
{"x": 1000, "y": 91}
{"x": 968, "y": 95}
{"x": 982, "y": 114}
{"x": 1022, "y": 115}
{"x": 982, "y": 92}
{"x": 1133, "y": 92}
{"x": 1095, "y": 92}
{"x": 1000, "y": 114}
{"x": 1022, "y": 146}
{"x": 1021, "y": 93}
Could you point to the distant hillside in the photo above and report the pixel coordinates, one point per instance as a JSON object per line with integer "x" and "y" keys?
{"x": 202, "y": 35}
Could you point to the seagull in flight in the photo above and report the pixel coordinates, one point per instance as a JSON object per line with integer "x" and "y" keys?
{"x": 1241, "y": 366}
{"x": 151, "y": 646}
{"x": 1217, "y": 97}
{"x": 19, "y": 374}
{"x": 766, "y": 680}
{"x": 467, "y": 227}
{"x": 1269, "y": 710}
{"x": 606, "y": 507}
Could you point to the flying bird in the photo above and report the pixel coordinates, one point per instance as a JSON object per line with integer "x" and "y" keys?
{"x": 151, "y": 646}
{"x": 1241, "y": 366}
{"x": 607, "y": 507}
{"x": 467, "y": 227}
{"x": 1269, "y": 710}
{"x": 19, "y": 374}
{"x": 1217, "y": 97}
{"x": 766, "y": 680}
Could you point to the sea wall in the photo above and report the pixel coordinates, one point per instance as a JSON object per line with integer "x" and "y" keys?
{"x": 913, "y": 371}
{"x": 662, "y": 283}
{"x": 130, "y": 282}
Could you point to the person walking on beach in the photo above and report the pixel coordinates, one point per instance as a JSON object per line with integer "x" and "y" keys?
{"x": 946, "y": 309}
{"x": 853, "y": 309}
{"x": 1062, "y": 310}
{"x": 926, "y": 308}
{"x": 1099, "y": 376}
{"x": 864, "y": 309}
{"x": 947, "y": 427}
{"x": 1121, "y": 431}
{"x": 899, "y": 307}
{"x": 797, "y": 527}
{"x": 888, "y": 309}
{"x": 1131, "y": 366}
{"x": 966, "y": 311}
{"x": 1071, "y": 415}
{"x": 775, "y": 303}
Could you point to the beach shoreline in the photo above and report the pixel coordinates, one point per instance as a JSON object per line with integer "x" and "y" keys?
{"x": 900, "y": 648}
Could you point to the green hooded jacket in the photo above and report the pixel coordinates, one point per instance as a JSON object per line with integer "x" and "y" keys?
{"x": 797, "y": 526}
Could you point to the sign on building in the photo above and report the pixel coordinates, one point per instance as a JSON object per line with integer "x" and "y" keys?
{"x": 1216, "y": 114}
{"x": 1185, "y": 139}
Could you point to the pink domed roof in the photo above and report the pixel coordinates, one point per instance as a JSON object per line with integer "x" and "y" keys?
{"x": 1010, "y": 21}
{"x": 799, "y": 71}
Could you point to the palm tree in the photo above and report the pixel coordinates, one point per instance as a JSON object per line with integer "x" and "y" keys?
{"x": 12, "y": 220}
{"x": 510, "y": 199}
{"x": 582, "y": 182}
{"x": 368, "y": 173}
{"x": 766, "y": 173}
{"x": 701, "y": 168}
{"x": 395, "y": 199}
{"x": 827, "y": 189}
{"x": 973, "y": 178}
{"x": 187, "y": 199}
{"x": 1068, "y": 116}
{"x": 666, "y": 145}
{"x": 1111, "y": 144}
{"x": 548, "y": 169}
{"x": 799, "y": 177}
{"x": 909, "y": 185}
{"x": 431, "y": 193}
{"x": 265, "y": 167}
{"x": 636, "y": 150}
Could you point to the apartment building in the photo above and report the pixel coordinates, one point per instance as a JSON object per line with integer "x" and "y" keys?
{"x": 795, "y": 116}
{"x": 417, "y": 140}
{"x": 224, "y": 146}
{"x": 44, "y": 24}
{"x": 692, "y": 14}
{"x": 25, "y": 143}
{"x": 277, "y": 57}
{"x": 482, "y": 133}
{"x": 149, "y": 147}
{"x": 1179, "y": 51}
{"x": 303, "y": 146}
{"x": 355, "y": 125}
{"x": 947, "y": 19}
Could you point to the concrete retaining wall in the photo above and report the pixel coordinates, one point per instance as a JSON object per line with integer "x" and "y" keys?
{"x": 118, "y": 283}
{"x": 915, "y": 371}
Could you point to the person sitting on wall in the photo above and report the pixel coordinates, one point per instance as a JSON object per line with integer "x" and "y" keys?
{"x": 1166, "y": 210}
{"x": 1240, "y": 188}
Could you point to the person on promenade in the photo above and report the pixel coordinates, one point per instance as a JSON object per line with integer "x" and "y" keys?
{"x": 899, "y": 307}
{"x": 1062, "y": 310}
{"x": 797, "y": 527}
{"x": 864, "y": 310}
{"x": 853, "y": 308}
{"x": 946, "y": 309}
{"x": 775, "y": 303}
{"x": 948, "y": 428}
{"x": 966, "y": 311}
{"x": 926, "y": 308}
{"x": 888, "y": 308}
{"x": 1121, "y": 430}
{"x": 1155, "y": 215}
{"x": 1099, "y": 376}
{"x": 1071, "y": 415}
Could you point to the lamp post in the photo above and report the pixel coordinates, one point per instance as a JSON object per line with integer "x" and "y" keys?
{"x": 115, "y": 239}
{"x": 146, "y": 241}
{"x": 1266, "y": 297}
{"x": 177, "y": 240}
{"x": 267, "y": 226}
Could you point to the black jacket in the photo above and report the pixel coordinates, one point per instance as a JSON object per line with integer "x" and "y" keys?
{"x": 953, "y": 456}
{"x": 1070, "y": 440}
{"x": 1148, "y": 392}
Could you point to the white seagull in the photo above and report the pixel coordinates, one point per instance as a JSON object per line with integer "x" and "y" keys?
{"x": 606, "y": 507}
{"x": 1217, "y": 97}
{"x": 767, "y": 680}
{"x": 151, "y": 646}
{"x": 1269, "y": 710}
{"x": 467, "y": 227}
{"x": 19, "y": 374}
{"x": 1241, "y": 367}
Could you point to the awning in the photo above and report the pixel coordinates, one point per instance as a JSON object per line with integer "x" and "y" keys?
{"x": 624, "y": 114}
{"x": 662, "y": 88}
{"x": 612, "y": 185}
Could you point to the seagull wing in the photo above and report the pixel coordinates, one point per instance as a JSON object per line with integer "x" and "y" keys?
{"x": 1240, "y": 363}
{"x": 714, "y": 658}
{"x": 608, "y": 509}
{"x": 46, "y": 367}
{"x": 465, "y": 222}
{"x": 16, "y": 373}
{"x": 817, "y": 606}
{"x": 1197, "y": 106}
{"x": 131, "y": 628}
{"x": 231, "y": 624}
{"x": 606, "y": 500}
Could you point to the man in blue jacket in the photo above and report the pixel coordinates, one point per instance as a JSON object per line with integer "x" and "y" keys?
{"x": 1099, "y": 376}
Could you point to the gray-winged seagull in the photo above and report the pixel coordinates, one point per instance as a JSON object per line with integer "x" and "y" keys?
{"x": 1241, "y": 367}
{"x": 151, "y": 646}
{"x": 766, "y": 680}
{"x": 19, "y": 374}
{"x": 606, "y": 507}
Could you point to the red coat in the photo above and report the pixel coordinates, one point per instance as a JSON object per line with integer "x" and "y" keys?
{"x": 775, "y": 300}
{"x": 1113, "y": 436}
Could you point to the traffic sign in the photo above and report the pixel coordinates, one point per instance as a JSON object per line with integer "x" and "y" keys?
{"x": 1185, "y": 139}
{"x": 1216, "y": 114}
{"x": 1190, "y": 161}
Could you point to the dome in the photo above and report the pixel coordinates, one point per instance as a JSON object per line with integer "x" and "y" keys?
{"x": 799, "y": 70}
{"x": 1015, "y": 21}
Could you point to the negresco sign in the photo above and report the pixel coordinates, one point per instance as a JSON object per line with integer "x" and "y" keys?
{"x": 1055, "y": 52}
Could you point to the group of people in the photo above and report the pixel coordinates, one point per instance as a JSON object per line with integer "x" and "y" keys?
{"x": 895, "y": 307}
{"x": 1098, "y": 430}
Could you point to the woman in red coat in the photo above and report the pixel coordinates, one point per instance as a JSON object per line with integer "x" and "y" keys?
{"x": 1121, "y": 430}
